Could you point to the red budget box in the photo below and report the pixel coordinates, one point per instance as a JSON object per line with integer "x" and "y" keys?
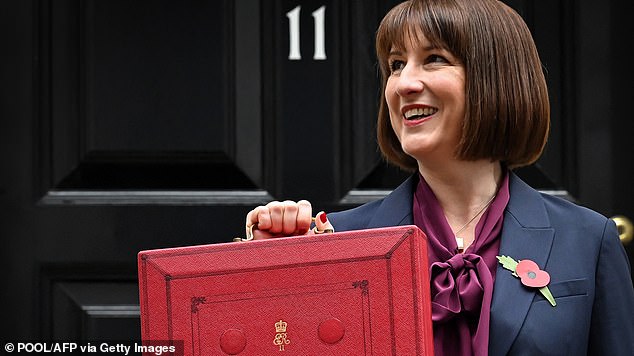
{"x": 360, "y": 292}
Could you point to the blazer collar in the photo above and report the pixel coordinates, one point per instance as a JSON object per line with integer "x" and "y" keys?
{"x": 525, "y": 206}
{"x": 526, "y": 234}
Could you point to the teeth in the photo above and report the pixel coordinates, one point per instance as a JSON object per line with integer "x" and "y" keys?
{"x": 420, "y": 112}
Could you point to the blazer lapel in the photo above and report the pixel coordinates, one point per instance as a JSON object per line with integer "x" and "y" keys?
{"x": 526, "y": 234}
{"x": 396, "y": 208}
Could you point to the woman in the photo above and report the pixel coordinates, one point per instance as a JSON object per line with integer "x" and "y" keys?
{"x": 464, "y": 102}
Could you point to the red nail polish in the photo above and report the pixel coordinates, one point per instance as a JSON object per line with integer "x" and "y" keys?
{"x": 323, "y": 218}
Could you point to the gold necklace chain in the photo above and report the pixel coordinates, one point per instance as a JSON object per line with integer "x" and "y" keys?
{"x": 486, "y": 205}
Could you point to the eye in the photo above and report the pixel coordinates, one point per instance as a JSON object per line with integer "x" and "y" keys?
{"x": 436, "y": 58}
{"x": 396, "y": 65}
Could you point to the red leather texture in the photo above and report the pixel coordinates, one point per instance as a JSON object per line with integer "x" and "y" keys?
{"x": 361, "y": 292}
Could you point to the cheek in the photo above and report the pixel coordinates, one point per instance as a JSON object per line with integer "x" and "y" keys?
{"x": 396, "y": 126}
{"x": 389, "y": 93}
{"x": 392, "y": 100}
{"x": 394, "y": 116}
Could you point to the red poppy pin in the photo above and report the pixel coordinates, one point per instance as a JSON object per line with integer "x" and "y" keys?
{"x": 530, "y": 275}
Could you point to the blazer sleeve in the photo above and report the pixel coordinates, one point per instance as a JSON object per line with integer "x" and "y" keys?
{"x": 612, "y": 325}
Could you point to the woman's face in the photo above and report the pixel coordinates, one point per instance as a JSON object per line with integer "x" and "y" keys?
{"x": 425, "y": 94}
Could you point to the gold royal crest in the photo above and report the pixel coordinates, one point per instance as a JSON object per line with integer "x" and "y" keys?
{"x": 280, "y": 336}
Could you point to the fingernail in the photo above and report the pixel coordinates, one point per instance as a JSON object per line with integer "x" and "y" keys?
{"x": 323, "y": 218}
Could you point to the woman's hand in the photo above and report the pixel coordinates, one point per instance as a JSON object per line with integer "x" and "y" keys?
{"x": 286, "y": 218}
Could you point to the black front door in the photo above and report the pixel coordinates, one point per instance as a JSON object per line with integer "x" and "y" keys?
{"x": 132, "y": 125}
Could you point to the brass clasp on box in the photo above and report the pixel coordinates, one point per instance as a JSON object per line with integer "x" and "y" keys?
{"x": 249, "y": 234}
{"x": 625, "y": 228}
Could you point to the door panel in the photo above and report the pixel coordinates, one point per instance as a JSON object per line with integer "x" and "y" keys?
{"x": 135, "y": 96}
{"x": 621, "y": 126}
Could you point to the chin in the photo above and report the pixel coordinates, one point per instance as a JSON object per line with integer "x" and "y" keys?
{"x": 415, "y": 151}
{"x": 426, "y": 152}
{"x": 415, "y": 143}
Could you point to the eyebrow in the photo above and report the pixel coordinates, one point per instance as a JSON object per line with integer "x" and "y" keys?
{"x": 424, "y": 48}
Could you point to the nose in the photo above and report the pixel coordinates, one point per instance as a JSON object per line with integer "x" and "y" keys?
{"x": 410, "y": 81}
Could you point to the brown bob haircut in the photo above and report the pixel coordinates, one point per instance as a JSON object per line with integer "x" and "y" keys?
{"x": 507, "y": 114}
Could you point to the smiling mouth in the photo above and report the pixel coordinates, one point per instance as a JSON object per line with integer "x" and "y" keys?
{"x": 419, "y": 113}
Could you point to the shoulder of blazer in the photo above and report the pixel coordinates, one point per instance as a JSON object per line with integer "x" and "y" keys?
{"x": 537, "y": 209}
{"x": 392, "y": 210}
{"x": 532, "y": 208}
{"x": 564, "y": 211}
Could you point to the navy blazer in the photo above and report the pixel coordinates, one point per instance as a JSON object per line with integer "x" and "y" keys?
{"x": 579, "y": 248}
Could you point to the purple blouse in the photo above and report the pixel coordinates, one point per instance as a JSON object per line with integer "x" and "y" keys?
{"x": 461, "y": 283}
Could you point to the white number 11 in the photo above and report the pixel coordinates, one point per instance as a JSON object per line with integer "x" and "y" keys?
{"x": 293, "y": 32}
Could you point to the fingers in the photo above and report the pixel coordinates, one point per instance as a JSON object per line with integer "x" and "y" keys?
{"x": 260, "y": 217}
{"x": 277, "y": 218}
{"x": 304, "y": 216}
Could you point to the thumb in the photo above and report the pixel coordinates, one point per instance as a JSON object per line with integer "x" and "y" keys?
{"x": 322, "y": 225}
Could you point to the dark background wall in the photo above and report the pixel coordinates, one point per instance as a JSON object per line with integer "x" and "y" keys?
{"x": 132, "y": 125}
